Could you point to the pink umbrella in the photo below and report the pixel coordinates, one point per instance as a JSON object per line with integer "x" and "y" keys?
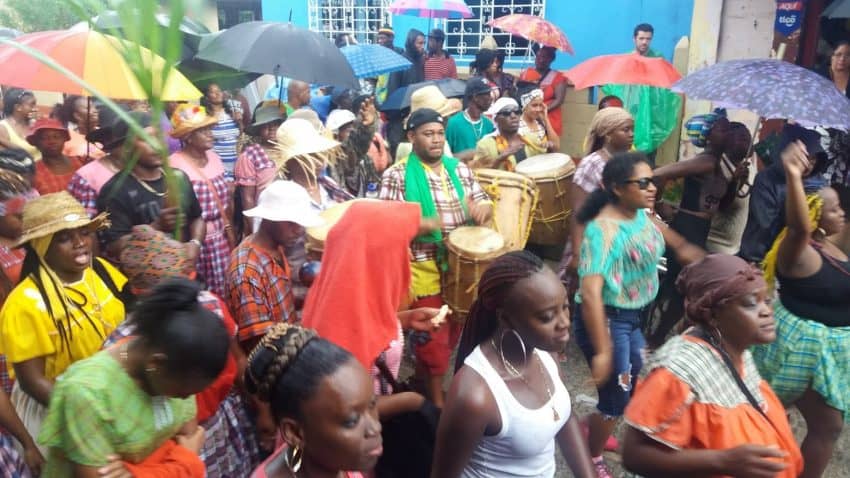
{"x": 452, "y": 9}
{"x": 628, "y": 68}
{"x": 534, "y": 28}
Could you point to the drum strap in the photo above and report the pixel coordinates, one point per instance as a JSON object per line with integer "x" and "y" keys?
{"x": 417, "y": 189}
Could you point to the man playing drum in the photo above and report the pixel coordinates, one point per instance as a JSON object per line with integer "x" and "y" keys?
{"x": 446, "y": 190}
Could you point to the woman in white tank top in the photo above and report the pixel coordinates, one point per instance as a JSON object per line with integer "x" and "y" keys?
{"x": 507, "y": 404}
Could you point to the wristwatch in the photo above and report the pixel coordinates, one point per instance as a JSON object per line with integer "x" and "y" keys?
{"x": 197, "y": 243}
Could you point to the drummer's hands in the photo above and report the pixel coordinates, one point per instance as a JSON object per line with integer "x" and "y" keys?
{"x": 480, "y": 211}
{"x": 428, "y": 225}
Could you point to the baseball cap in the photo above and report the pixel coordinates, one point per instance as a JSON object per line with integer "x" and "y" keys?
{"x": 476, "y": 86}
{"x": 286, "y": 201}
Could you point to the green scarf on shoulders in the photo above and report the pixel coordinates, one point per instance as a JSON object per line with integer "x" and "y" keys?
{"x": 416, "y": 189}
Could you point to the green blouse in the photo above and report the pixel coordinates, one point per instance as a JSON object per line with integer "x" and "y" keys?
{"x": 626, "y": 255}
{"x": 97, "y": 410}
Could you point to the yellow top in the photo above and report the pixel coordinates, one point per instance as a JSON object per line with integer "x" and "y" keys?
{"x": 28, "y": 332}
{"x": 20, "y": 142}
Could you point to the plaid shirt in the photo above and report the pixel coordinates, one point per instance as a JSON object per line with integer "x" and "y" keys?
{"x": 449, "y": 207}
{"x": 84, "y": 193}
{"x": 588, "y": 175}
{"x": 46, "y": 182}
{"x": 254, "y": 159}
{"x": 260, "y": 290}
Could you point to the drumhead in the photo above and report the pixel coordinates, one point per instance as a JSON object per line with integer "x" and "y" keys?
{"x": 546, "y": 165}
{"x": 488, "y": 175}
{"x": 476, "y": 241}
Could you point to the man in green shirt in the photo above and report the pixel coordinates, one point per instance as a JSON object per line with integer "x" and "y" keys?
{"x": 463, "y": 131}
{"x": 655, "y": 109}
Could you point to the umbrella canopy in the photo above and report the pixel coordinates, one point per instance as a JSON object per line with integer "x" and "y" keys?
{"x": 400, "y": 98}
{"x": 627, "y": 69}
{"x": 771, "y": 88}
{"x": 452, "y": 9}
{"x": 534, "y": 28}
{"x": 837, "y": 9}
{"x": 370, "y": 60}
{"x": 280, "y": 49}
{"x": 94, "y": 57}
{"x": 203, "y": 73}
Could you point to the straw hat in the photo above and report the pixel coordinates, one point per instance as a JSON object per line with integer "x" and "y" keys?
{"x": 431, "y": 97}
{"x": 297, "y": 137}
{"x": 56, "y": 212}
{"x": 188, "y": 118}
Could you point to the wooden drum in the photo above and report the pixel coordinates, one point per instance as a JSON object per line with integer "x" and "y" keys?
{"x": 470, "y": 251}
{"x": 514, "y": 199}
{"x": 553, "y": 175}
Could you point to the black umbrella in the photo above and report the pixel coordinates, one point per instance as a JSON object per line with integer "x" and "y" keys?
{"x": 400, "y": 98}
{"x": 203, "y": 73}
{"x": 280, "y": 49}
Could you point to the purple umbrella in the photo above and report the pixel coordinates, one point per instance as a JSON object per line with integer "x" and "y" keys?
{"x": 771, "y": 88}
{"x": 453, "y": 9}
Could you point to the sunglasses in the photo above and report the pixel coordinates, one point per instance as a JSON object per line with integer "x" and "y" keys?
{"x": 643, "y": 183}
{"x": 508, "y": 112}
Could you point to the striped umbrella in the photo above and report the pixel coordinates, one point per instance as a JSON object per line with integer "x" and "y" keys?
{"x": 452, "y": 9}
{"x": 534, "y": 28}
{"x": 92, "y": 56}
{"x": 369, "y": 60}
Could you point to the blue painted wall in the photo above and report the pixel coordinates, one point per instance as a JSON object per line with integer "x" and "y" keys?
{"x": 594, "y": 28}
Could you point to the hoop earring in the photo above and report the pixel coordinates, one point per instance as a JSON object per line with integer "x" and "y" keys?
{"x": 294, "y": 459}
{"x": 821, "y": 232}
{"x": 505, "y": 363}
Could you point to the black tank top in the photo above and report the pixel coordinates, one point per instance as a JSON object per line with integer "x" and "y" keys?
{"x": 823, "y": 297}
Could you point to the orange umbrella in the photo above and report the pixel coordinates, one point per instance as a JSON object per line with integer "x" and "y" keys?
{"x": 534, "y": 28}
{"x": 625, "y": 69}
{"x": 94, "y": 57}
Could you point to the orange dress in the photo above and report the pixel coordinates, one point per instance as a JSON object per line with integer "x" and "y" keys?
{"x": 547, "y": 84}
{"x": 688, "y": 399}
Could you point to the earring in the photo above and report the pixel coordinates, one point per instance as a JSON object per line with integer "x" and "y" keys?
{"x": 294, "y": 461}
{"x": 821, "y": 232}
{"x": 505, "y": 363}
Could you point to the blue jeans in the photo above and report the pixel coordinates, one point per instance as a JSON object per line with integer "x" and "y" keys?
{"x": 628, "y": 342}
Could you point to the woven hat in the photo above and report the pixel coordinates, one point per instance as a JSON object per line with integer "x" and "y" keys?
{"x": 56, "y": 212}
{"x": 150, "y": 256}
{"x": 296, "y": 137}
{"x": 188, "y": 118}
{"x": 265, "y": 114}
{"x": 46, "y": 123}
{"x": 431, "y": 97}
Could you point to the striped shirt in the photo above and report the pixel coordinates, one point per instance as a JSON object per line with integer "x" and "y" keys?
{"x": 226, "y": 134}
{"x": 439, "y": 67}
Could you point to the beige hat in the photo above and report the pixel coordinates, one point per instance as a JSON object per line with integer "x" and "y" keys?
{"x": 431, "y": 97}
{"x": 489, "y": 43}
{"x": 56, "y": 212}
{"x": 297, "y": 137}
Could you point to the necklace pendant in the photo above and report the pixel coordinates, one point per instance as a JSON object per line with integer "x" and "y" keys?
{"x": 555, "y": 415}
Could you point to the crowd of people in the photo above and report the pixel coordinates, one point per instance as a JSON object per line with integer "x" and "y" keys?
{"x": 184, "y": 315}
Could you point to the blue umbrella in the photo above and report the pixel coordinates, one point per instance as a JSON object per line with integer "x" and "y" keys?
{"x": 773, "y": 89}
{"x": 370, "y": 60}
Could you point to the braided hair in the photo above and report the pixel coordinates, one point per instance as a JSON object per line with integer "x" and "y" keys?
{"x": 287, "y": 366}
{"x": 617, "y": 170}
{"x": 493, "y": 288}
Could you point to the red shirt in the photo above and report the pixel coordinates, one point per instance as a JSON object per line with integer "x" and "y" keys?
{"x": 439, "y": 67}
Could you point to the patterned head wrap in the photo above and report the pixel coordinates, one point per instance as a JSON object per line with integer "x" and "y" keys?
{"x": 604, "y": 122}
{"x": 699, "y": 126}
{"x": 715, "y": 280}
{"x": 151, "y": 256}
{"x": 530, "y": 96}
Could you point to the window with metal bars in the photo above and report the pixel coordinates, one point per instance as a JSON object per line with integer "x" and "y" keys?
{"x": 362, "y": 18}
{"x": 463, "y": 37}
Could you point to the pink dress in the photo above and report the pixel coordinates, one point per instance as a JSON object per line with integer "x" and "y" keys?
{"x": 211, "y": 189}
{"x": 255, "y": 168}
{"x": 85, "y": 184}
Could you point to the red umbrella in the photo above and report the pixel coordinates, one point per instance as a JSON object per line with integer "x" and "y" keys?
{"x": 625, "y": 69}
{"x": 534, "y": 28}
